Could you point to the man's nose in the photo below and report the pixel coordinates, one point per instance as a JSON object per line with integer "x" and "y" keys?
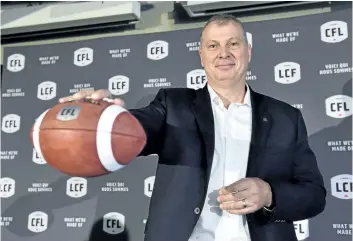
{"x": 224, "y": 52}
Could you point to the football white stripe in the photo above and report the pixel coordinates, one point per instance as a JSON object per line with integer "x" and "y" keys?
{"x": 104, "y": 137}
{"x": 35, "y": 134}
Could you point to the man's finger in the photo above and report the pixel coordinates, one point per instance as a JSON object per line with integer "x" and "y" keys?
{"x": 66, "y": 99}
{"x": 235, "y": 196}
{"x": 231, "y": 205}
{"x": 239, "y": 204}
{"x": 82, "y": 94}
{"x": 223, "y": 191}
{"x": 227, "y": 198}
{"x": 100, "y": 94}
{"x": 240, "y": 185}
{"x": 237, "y": 186}
{"x": 243, "y": 211}
{"x": 119, "y": 102}
{"x": 77, "y": 96}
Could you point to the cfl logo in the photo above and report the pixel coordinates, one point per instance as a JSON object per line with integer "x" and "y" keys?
{"x": 76, "y": 187}
{"x": 287, "y": 73}
{"x": 83, "y": 57}
{"x": 7, "y": 187}
{"x": 16, "y": 62}
{"x": 119, "y": 85}
{"x": 38, "y": 159}
{"x": 342, "y": 186}
{"x": 113, "y": 223}
{"x": 301, "y": 229}
{"x": 148, "y": 187}
{"x": 196, "y": 79}
{"x": 249, "y": 38}
{"x": 338, "y": 106}
{"x": 157, "y": 50}
{"x": 37, "y": 222}
{"x": 11, "y": 123}
{"x": 334, "y": 31}
{"x": 46, "y": 90}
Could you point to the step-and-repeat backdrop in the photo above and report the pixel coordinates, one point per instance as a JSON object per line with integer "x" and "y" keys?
{"x": 305, "y": 61}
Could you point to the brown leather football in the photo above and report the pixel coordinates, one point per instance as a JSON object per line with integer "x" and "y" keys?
{"x": 87, "y": 138}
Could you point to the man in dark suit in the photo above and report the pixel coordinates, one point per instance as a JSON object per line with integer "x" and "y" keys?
{"x": 234, "y": 165}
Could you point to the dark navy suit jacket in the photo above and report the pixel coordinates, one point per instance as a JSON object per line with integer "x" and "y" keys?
{"x": 180, "y": 129}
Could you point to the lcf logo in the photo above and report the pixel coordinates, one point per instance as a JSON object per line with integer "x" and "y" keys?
{"x": 46, "y": 90}
{"x": 11, "y": 123}
{"x": 83, "y": 57}
{"x": 119, "y": 85}
{"x": 334, "y": 31}
{"x": 287, "y": 73}
{"x": 196, "y": 79}
{"x": 76, "y": 187}
{"x": 342, "y": 186}
{"x": 16, "y": 62}
{"x": 157, "y": 50}
{"x": 37, "y": 222}
{"x": 113, "y": 223}
{"x": 7, "y": 187}
{"x": 338, "y": 106}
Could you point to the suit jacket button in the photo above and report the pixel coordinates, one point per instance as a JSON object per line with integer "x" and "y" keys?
{"x": 197, "y": 210}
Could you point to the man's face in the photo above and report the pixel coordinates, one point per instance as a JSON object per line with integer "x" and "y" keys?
{"x": 224, "y": 53}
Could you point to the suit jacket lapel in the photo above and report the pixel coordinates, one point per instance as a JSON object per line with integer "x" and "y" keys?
{"x": 204, "y": 117}
{"x": 261, "y": 125}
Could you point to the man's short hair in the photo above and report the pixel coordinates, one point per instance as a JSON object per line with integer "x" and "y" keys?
{"x": 223, "y": 19}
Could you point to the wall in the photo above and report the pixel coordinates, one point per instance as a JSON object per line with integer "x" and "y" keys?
{"x": 159, "y": 17}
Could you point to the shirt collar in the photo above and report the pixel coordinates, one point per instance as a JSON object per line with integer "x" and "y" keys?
{"x": 215, "y": 98}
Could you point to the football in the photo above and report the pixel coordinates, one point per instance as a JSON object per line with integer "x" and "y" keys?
{"x": 87, "y": 138}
